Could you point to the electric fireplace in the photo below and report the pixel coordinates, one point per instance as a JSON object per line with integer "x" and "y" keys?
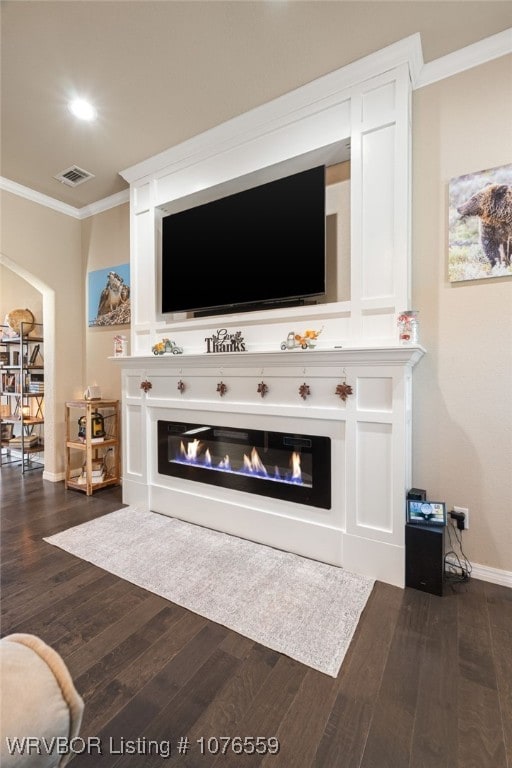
{"x": 289, "y": 466}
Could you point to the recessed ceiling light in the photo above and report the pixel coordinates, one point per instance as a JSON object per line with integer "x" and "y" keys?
{"x": 82, "y": 109}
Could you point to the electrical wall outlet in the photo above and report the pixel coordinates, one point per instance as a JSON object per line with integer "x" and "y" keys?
{"x": 465, "y": 512}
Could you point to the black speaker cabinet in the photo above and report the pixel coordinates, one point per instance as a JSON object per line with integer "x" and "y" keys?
{"x": 424, "y": 558}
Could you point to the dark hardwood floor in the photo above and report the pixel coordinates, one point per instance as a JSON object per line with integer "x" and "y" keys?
{"x": 426, "y": 683}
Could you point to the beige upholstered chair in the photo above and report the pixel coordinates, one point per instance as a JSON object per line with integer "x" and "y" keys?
{"x": 38, "y": 701}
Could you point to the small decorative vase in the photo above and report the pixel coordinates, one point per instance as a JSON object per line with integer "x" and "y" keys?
{"x": 408, "y": 327}
{"x": 120, "y": 346}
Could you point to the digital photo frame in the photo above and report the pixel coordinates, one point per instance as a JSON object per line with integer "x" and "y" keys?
{"x": 426, "y": 512}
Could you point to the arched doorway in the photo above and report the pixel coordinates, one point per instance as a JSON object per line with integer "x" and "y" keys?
{"x": 48, "y": 303}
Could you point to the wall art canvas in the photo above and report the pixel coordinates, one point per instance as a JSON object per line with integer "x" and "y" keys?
{"x": 480, "y": 225}
{"x": 109, "y": 296}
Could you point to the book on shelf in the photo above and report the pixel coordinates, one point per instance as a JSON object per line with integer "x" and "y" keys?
{"x": 94, "y": 440}
{"x": 34, "y": 354}
{"x": 8, "y": 382}
{"x": 82, "y": 480}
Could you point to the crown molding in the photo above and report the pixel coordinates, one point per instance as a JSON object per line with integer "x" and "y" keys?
{"x": 466, "y": 58}
{"x": 104, "y": 205}
{"x": 36, "y": 197}
{"x": 50, "y": 202}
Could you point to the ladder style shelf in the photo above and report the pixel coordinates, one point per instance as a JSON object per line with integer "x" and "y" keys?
{"x": 100, "y": 456}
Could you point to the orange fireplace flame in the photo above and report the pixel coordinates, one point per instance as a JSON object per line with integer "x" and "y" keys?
{"x": 191, "y": 452}
{"x": 296, "y": 470}
{"x": 254, "y": 464}
{"x": 196, "y": 452}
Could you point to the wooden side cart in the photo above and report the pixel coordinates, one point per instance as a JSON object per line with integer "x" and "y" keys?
{"x": 92, "y": 444}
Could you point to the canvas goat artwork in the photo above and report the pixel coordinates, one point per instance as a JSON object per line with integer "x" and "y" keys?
{"x": 480, "y": 225}
{"x": 109, "y": 296}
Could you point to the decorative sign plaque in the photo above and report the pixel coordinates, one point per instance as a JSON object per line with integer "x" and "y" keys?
{"x": 222, "y": 341}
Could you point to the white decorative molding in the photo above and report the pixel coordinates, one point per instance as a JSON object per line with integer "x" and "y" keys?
{"x": 280, "y": 111}
{"x": 493, "y": 575}
{"x": 54, "y": 477}
{"x": 120, "y": 198}
{"x": 361, "y": 356}
{"x": 368, "y": 102}
{"x": 36, "y": 197}
{"x": 363, "y": 529}
{"x": 486, "y": 573}
{"x": 466, "y": 58}
{"x": 360, "y": 104}
{"x": 57, "y": 205}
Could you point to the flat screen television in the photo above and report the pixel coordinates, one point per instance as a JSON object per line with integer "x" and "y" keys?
{"x": 262, "y": 247}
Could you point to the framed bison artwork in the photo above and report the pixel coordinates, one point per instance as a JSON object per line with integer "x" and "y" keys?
{"x": 109, "y": 296}
{"x": 480, "y": 225}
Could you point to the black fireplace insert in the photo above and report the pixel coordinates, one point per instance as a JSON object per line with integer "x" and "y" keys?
{"x": 282, "y": 465}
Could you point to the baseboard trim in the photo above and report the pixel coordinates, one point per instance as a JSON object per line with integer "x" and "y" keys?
{"x": 486, "y": 573}
{"x": 494, "y": 575}
{"x": 54, "y": 477}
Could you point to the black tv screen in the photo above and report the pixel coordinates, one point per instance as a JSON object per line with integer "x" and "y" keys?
{"x": 262, "y": 246}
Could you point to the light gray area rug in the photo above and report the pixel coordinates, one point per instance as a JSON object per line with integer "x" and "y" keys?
{"x": 300, "y": 607}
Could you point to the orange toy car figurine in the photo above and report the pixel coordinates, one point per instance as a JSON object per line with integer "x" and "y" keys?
{"x": 304, "y": 341}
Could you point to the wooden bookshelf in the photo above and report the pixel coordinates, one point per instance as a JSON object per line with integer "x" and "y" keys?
{"x": 85, "y": 454}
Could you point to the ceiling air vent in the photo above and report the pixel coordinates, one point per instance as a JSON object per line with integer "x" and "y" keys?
{"x": 73, "y": 176}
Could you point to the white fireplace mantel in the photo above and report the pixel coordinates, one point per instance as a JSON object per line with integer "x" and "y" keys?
{"x": 399, "y": 355}
{"x": 370, "y": 445}
{"x": 366, "y": 106}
